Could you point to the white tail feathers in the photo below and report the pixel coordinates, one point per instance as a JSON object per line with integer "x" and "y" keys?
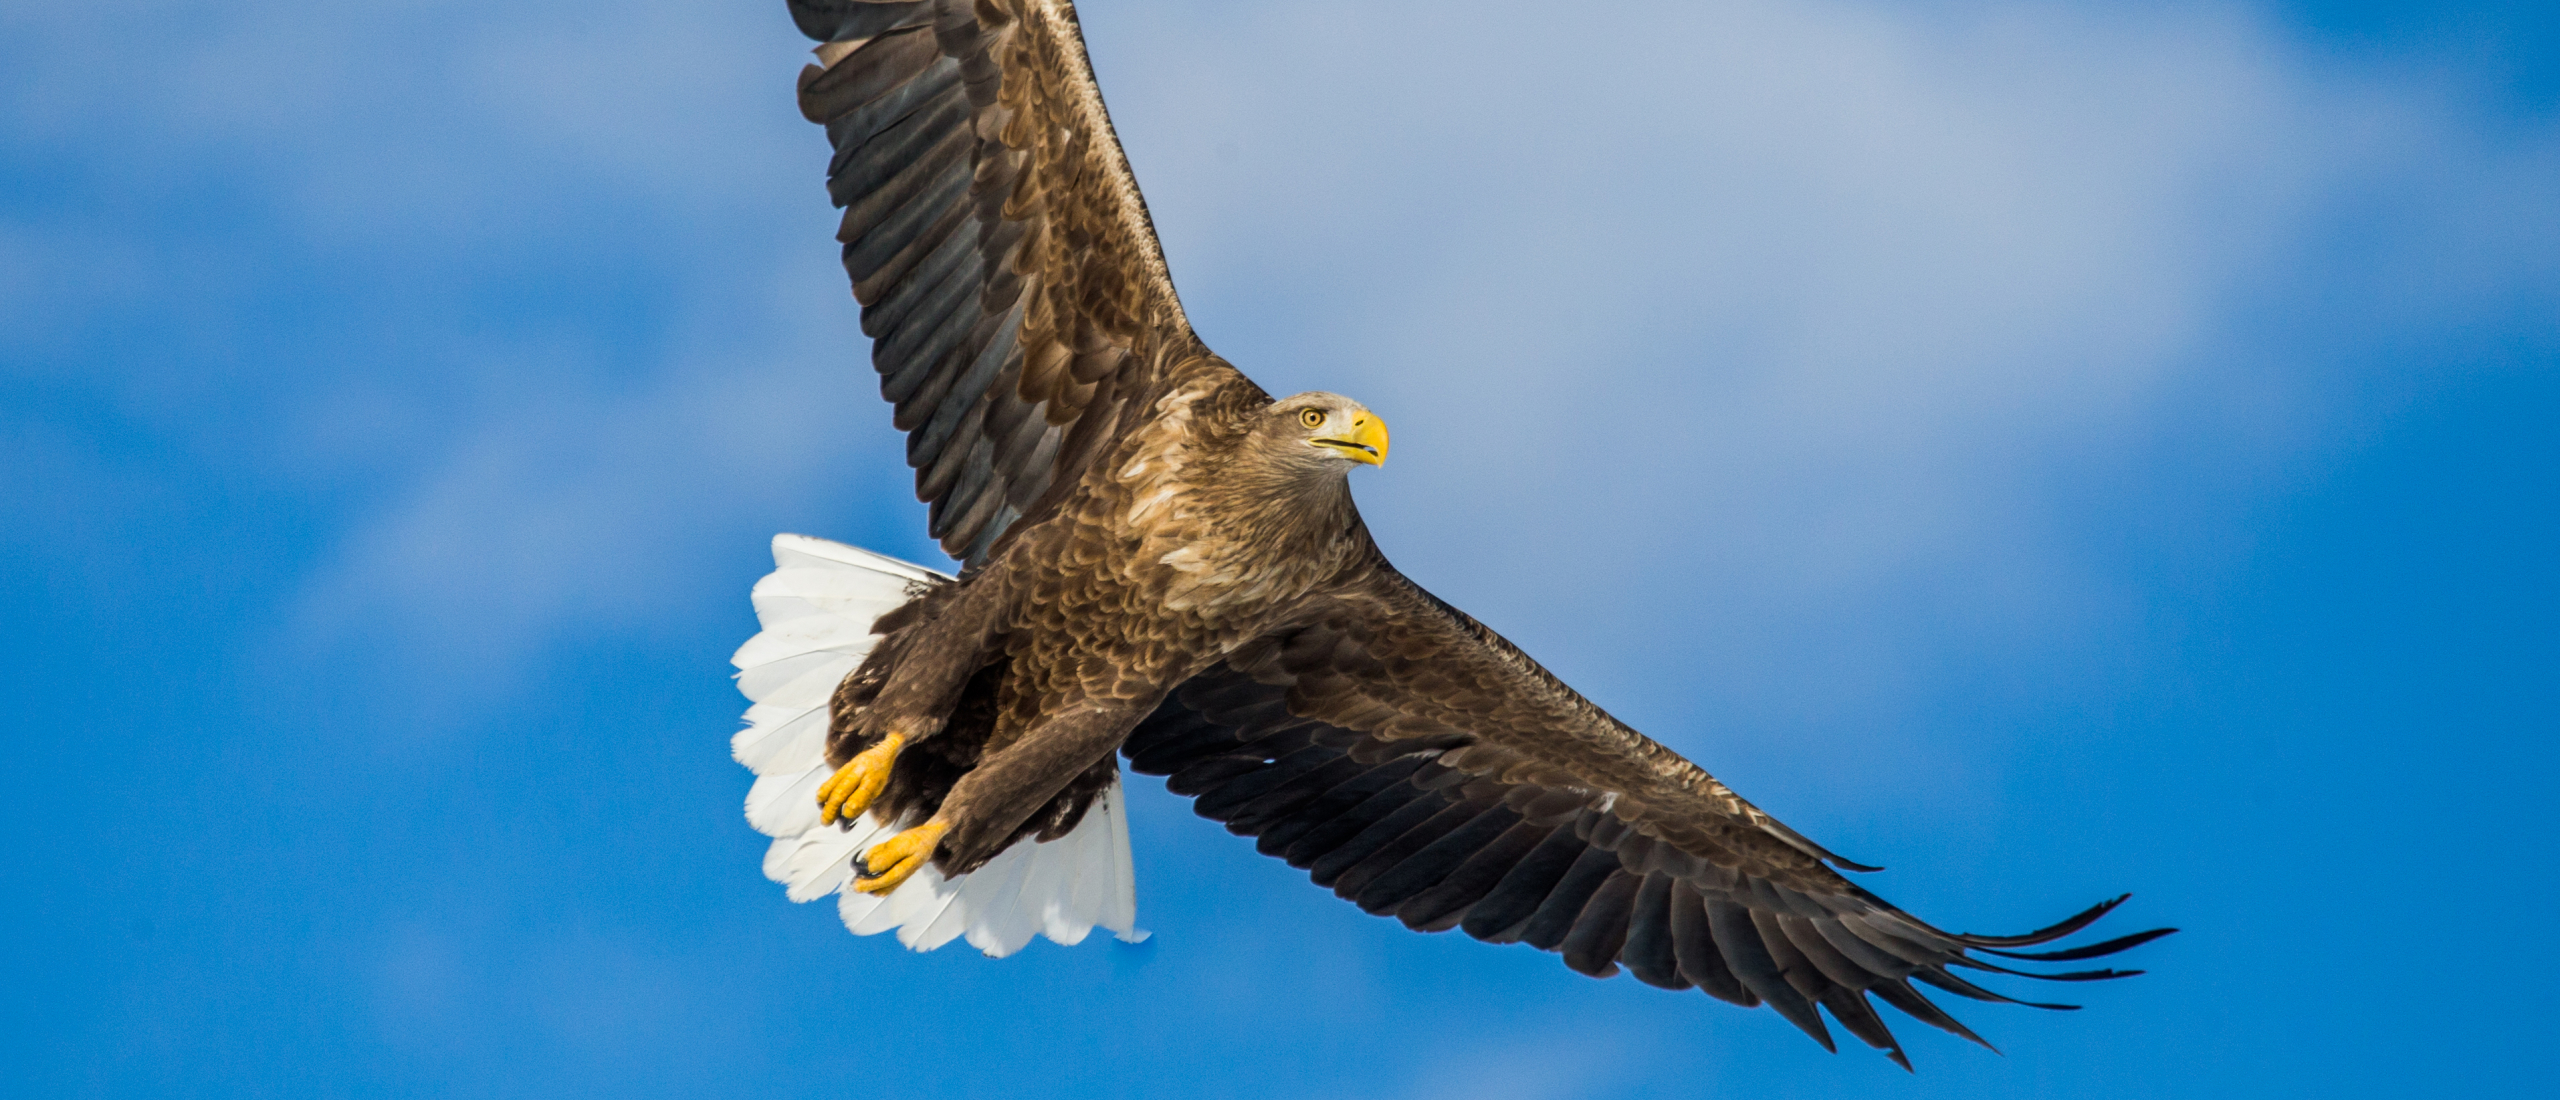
{"x": 817, "y": 607}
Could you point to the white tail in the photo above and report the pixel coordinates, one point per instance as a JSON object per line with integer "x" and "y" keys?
{"x": 817, "y": 607}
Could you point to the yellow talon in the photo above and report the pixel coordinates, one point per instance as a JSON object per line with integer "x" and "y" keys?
{"x": 850, "y": 790}
{"x": 898, "y": 858}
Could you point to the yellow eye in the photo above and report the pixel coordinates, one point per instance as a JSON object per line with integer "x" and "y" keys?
{"x": 1312, "y": 418}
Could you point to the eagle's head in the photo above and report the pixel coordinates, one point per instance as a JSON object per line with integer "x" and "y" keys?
{"x": 1321, "y": 433}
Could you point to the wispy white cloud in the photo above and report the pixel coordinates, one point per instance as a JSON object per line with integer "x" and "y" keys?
{"x": 1744, "y": 356}
{"x": 1823, "y": 294}
{"x": 1515, "y": 1071}
{"x": 1738, "y": 339}
{"x": 594, "y": 508}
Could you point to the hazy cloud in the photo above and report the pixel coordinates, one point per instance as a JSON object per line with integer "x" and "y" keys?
{"x": 1762, "y": 327}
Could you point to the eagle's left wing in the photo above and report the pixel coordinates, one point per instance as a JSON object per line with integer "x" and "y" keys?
{"x": 1421, "y": 766}
{"x": 1016, "y": 298}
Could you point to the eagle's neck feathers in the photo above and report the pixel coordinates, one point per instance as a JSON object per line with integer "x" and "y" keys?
{"x": 1225, "y": 519}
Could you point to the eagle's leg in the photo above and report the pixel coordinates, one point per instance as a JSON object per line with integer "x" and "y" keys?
{"x": 931, "y": 668}
{"x": 987, "y": 806}
{"x": 933, "y": 665}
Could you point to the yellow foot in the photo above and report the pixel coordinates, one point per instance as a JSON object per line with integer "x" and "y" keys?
{"x": 850, "y": 790}
{"x": 898, "y": 858}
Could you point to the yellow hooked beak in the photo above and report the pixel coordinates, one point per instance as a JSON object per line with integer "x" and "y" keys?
{"x": 1368, "y": 441}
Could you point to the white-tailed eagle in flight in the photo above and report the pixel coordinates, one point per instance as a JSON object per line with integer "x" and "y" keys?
{"x": 1162, "y": 563}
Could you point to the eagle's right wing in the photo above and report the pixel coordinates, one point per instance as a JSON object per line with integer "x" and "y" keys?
{"x": 1421, "y": 766}
{"x": 1010, "y": 280}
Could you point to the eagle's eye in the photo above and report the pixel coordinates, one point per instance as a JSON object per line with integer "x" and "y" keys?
{"x": 1312, "y": 418}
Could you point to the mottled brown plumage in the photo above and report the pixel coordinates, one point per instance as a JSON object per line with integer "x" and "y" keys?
{"x": 1163, "y": 560}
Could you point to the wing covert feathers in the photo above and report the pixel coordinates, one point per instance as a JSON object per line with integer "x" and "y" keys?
{"x": 1009, "y": 276}
{"x": 817, "y": 607}
{"x": 1422, "y": 768}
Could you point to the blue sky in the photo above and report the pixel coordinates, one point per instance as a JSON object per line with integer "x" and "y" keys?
{"x": 2049, "y": 449}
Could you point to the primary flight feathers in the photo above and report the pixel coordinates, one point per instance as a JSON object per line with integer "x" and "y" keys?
{"x": 1011, "y": 283}
{"x": 1162, "y": 561}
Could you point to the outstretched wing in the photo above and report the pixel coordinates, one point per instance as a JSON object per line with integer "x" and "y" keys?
{"x": 1422, "y": 766}
{"x": 1010, "y": 280}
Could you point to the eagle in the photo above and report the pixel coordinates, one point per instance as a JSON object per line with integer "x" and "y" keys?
{"x": 1162, "y": 563}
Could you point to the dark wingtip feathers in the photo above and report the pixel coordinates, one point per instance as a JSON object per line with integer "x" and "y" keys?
{"x": 1399, "y": 838}
{"x": 1899, "y": 994}
{"x": 2095, "y": 950}
{"x": 2067, "y": 976}
{"x": 2050, "y": 933}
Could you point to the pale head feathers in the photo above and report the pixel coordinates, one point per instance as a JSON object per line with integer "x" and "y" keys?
{"x": 1318, "y": 434}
